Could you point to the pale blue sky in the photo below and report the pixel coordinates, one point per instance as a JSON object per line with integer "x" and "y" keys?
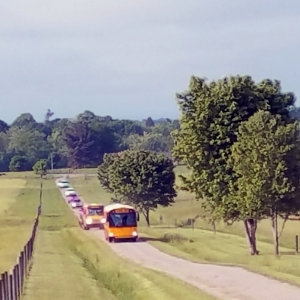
{"x": 128, "y": 58}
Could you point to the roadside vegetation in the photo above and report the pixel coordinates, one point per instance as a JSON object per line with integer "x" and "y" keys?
{"x": 19, "y": 201}
{"x": 171, "y": 232}
{"x": 71, "y": 264}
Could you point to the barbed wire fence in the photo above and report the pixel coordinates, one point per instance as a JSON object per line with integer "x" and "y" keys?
{"x": 12, "y": 281}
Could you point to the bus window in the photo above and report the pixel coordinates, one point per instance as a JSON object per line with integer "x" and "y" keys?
{"x": 122, "y": 219}
{"x": 95, "y": 211}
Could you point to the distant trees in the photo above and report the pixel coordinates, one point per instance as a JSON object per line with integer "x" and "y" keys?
{"x": 81, "y": 142}
{"x": 18, "y": 163}
{"x": 79, "y": 139}
{"x": 215, "y": 139}
{"x": 144, "y": 179}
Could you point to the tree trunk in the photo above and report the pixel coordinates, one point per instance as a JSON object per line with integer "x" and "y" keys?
{"x": 214, "y": 227}
{"x": 275, "y": 232}
{"x": 250, "y": 229}
{"x": 146, "y": 213}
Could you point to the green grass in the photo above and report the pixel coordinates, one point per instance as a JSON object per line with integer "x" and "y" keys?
{"x": 19, "y": 201}
{"x": 227, "y": 246}
{"x": 70, "y": 263}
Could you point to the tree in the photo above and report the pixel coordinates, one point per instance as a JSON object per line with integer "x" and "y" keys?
{"x": 29, "y": 142}
{"x": 80, "y": 140}
{"x": 266, "y": 158}
{"x": 149, "y": 141}
{"x": 3, "y": 126}
{"x": 86, "y": 117}
{"x": 143, "y": 179}
{"x": 40, "y": 167}
{"x": 104, "y": 169}
{"x": 19, "y": 163}
{"x": 211, "y": 115}
{"x": 24, "y": 120}
{"x": 149, "y": 122}
{"x": 105, "y": 141}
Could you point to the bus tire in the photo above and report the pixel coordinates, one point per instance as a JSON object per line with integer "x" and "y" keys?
{"x": 110, "y": 239}
{"x": 134, "y": 239}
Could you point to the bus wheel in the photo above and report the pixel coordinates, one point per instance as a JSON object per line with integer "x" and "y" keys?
{"x": 110, "y": 239}
{"x": 134, "y": 239}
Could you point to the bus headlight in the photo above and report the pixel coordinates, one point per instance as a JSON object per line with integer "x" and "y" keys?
{"x": 111, "y": 234}
{"x": 89, "y": 221}
{"x": 134, "y": 233}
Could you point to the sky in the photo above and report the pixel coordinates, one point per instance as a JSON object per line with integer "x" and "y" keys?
{"x": 128, "y": 59}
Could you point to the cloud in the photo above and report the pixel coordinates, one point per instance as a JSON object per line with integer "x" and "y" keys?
{"x": 129, "y": 58}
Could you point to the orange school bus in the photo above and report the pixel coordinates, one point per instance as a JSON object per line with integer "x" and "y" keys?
{"x": 120, "y": 222}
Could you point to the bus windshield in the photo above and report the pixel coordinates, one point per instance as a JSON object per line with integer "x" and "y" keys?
{"x": 95, "y": 211}
{"x": 122, "y": 219}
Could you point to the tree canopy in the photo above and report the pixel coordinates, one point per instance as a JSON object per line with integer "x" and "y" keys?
{"x": 80, "y": 142}
{"x": 211, "y": 114}
{"x": 144, "y": 179}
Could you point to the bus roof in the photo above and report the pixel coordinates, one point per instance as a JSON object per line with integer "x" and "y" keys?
{"x": 113, "y": 206}
{"x": 93, "y": 205}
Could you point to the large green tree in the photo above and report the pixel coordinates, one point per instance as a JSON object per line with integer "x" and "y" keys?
{"x": 28, "y": 142}
{"x": 144, "y": 179}
{"x": 211, "y": 114}
{"x": 266, "y": 158}
{"x": 40, "y": 167}
{"x": 79, "y": 139}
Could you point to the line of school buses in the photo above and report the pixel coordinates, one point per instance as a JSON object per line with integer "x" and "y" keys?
{"x": 118, "y": 221}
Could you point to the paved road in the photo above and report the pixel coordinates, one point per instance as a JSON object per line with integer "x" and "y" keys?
{"x": 224, "y": 282}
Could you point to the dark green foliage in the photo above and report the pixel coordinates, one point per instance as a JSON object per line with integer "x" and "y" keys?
{"x": 19, "y": 163}
{"x": 3, "y": 126}
{"x": 149, "y": 122}
{"x": 144, "y": 179}
{"x": 41, "y": 140}
{"x": 80, "y": 144}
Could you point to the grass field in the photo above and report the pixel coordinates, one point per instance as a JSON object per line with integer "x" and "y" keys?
{"x": 227, "y": 246}
{"x": 71, "y": 264}
{"x": 19, "y": 200}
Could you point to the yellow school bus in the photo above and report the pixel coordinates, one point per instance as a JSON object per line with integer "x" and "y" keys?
{"x": 90, "y": 216}
{"x": 120, "y": 222}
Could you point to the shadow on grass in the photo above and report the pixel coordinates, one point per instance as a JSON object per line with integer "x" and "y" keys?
{"x": 286, "y": 253}
{"x": 150, "y": 239}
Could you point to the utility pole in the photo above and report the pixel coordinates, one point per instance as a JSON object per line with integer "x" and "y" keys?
{"x": 51, "y": 161}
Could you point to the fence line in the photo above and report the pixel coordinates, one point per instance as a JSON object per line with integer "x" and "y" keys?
{"x": 12, "y": 282}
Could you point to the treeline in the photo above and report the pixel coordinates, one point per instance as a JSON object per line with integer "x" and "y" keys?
{"x": 79, "y": 142}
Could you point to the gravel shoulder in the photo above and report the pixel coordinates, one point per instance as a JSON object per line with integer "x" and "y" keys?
{"x": 224, "y": 282}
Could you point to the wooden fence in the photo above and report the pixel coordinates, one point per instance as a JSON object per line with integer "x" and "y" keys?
{"x": 12, "y": 282}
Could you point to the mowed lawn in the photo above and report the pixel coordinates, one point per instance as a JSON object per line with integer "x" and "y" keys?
{"x": 19, "y": 201}
{"x": 228, "y": 245}
{"x": 69, "y": 263}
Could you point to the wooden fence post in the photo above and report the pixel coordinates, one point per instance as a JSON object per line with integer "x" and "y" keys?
{"x": 15, "y": 283}
{"x": 22, "y": 269}
{"x": 18, "y": 279}
{"x": 6, "y": 286}
{"x": 296, "y": 244}
{"x": 2, "y": 287}
{"x": 11, "y": 287}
